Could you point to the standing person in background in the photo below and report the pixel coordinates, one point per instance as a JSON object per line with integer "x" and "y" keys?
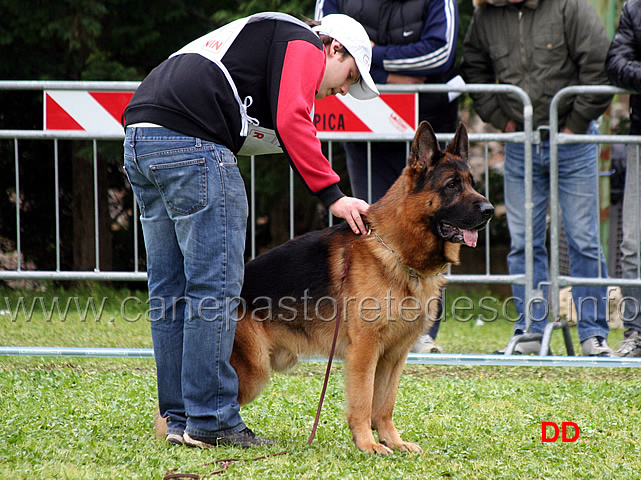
{"x": 413, "y": 42}
{"x": 542, "y": 46}
{"x": 184, "y": 126}
{"x": 623, "y": 65}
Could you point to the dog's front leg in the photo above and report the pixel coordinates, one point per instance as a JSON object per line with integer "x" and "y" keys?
{"x": 360, "y": 369}
{"x": 388, "y": 373}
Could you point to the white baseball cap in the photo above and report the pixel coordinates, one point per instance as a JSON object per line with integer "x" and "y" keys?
{"x": 353, "y": 37}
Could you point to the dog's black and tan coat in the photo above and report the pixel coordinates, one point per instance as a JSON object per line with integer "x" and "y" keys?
{"x": 393, "y": 278}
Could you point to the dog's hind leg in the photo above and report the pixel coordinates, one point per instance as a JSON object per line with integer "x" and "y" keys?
{"x": 252, "y": 379}
{"x": 250, "y": 359}
{"x": 388, "y": 372}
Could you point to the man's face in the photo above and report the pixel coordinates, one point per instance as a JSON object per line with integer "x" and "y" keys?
{"x": 340, "y": 72}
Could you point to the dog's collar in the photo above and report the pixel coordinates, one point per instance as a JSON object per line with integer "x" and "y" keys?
{"x": 413, "y": 273}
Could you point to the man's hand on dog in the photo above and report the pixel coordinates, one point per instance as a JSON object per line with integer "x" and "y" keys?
{"x": 352, "y": 211}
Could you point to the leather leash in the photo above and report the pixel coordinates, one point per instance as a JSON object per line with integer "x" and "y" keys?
{"x": 331, "y": 353}
{"x": 225, "y": 463}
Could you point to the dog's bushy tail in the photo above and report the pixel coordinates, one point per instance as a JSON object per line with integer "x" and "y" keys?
{"x": 160, "y": 425}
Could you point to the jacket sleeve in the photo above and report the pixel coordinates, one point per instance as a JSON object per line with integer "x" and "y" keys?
{"x": 325, "y": 7}
{"x": 477, "y": 67}
{"x": 588, "y": 45}
{"x": 433, "y": 54}
{"x": 293, "y": 87}
{"x": 623, "y": 62}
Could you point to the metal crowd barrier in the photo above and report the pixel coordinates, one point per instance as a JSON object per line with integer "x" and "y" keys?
{"x": 528, "y": 136}
{"x": 55, "y": 135}
{"x": 412, "y": 359}
{"x": 558, "y": 281}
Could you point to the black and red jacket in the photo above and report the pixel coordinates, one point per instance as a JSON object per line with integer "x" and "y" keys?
{"x": 279, "y": 64}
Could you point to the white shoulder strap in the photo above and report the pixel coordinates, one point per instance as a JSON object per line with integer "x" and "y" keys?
{"x": 214, "y": 45}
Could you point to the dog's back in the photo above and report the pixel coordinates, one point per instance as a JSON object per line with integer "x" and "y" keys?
{"x": 295, "y": 269}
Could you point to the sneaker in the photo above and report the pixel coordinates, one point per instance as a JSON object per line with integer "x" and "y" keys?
{"x": 245, "y": 439}
{"x": 530, "y": 347}
{"x": 596, "y": 347}
{"x": 426, "y": 344}
{"x": 630, "y": 346}
{"x": 174, "y": 439}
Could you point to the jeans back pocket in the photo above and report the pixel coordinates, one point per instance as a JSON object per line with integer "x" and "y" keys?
{"x": 183, "y": 184}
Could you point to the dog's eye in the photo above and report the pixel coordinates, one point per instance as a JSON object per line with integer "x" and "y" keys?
{"x": 452, "y": 184}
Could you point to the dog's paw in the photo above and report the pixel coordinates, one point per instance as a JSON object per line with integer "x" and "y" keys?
{"x": 380, "y": 449}
{"x": 375, "y": 448}
{"x": 409, "y": 448}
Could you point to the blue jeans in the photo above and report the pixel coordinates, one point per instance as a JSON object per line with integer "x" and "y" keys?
{"x": 580, "y": 213}
{"x": 631, "y": 241}
{"x": 193, "y": 210}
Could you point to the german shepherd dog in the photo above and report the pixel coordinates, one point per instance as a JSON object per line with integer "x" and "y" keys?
{"x": 386, "y": 285}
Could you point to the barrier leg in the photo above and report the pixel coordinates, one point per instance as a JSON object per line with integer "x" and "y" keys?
{"x": 526, "y": 337}
{"x": 547, "y": 336}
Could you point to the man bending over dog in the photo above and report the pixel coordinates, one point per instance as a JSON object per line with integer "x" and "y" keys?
{"x": 255, "y": 78}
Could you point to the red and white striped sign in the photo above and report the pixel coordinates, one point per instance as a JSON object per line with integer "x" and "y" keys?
{"x": 92, "y": 112}
{"x": 101, "y": 112}
{"x": 389, "y": 113}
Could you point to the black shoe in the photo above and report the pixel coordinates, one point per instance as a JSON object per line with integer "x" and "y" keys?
{"x": 245, "y": 439}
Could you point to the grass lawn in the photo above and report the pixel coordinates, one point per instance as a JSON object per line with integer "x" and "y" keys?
{"x": 90, "y": 418}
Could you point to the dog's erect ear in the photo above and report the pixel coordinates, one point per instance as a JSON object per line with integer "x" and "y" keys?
{"x": 459, "y": 144}
{"x": 424, "y": 148}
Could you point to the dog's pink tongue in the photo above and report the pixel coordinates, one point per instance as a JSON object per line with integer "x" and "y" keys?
{"x": 470, "y": 237}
